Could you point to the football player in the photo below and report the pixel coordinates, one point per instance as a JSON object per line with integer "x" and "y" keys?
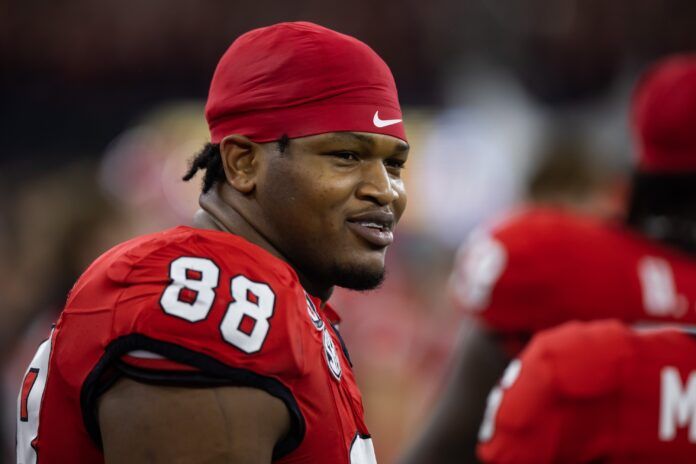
{"x": 542, "y": 267}
{"x": 215, "y": 343}
{"x": 596, "y": 392}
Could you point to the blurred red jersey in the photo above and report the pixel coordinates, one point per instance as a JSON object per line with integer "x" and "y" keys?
{"x": 192, "y": 307}
{"x": 596, "y": 392}
{"x": 542, "y": 267}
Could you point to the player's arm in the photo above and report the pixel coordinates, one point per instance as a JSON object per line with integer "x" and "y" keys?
{"x": 164, "y": 424}
{"x": 451, "y": 434}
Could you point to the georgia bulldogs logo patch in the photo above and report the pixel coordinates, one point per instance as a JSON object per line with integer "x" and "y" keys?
{"x": 332, "y": 359}
{"x": 314, "y": 314}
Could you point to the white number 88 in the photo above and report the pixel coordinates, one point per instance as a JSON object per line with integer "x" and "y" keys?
{"x": 191, "y": 295}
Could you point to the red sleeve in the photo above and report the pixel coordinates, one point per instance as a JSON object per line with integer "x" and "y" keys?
{"x": 561, "y": 405}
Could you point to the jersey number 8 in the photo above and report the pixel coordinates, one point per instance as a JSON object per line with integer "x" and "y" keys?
{"x": 191, "y": 295}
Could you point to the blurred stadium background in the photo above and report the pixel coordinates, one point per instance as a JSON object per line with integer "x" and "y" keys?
{"x": 506, "y": 103}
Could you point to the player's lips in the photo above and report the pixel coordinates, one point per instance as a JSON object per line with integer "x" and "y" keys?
{"x": 376, "y": 227}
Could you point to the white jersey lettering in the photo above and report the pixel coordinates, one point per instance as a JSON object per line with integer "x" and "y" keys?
{"x": 677, "y": 404}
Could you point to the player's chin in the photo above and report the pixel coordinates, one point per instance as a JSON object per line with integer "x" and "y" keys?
{"x": 364, "y": 274}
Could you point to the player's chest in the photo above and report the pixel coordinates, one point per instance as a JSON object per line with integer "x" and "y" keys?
{"x": 329, "y": 385}
{"x": 330, "y": 403}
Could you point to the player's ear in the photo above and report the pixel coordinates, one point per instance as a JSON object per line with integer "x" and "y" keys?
{"x": 240, "y": 162}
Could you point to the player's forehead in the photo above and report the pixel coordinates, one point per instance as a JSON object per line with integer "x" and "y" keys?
{"x": 347, "y": 139}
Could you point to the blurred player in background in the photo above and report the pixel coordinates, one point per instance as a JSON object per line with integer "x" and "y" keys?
{"x": 596, "y": 391}
{"x": 215, "y": 343}
{"x": 545, "y": 266}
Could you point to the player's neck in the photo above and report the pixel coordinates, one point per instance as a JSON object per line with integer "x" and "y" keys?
{"x": 216, "y": 214}
{"x": 675, "y": 232}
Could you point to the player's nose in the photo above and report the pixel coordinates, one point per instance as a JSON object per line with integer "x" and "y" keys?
{"x": 376, "y": 184}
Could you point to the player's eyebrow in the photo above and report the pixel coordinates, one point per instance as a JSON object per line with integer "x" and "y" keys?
{"x": 402, "y": 146}
{"x": 352, "y": 135}
{"x": 366, "y": 139}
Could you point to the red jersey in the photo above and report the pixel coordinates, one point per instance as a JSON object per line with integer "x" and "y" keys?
{"x": 596, "y": 392}
{"x": 542, "y": 267}
{"x": 194, "y": 307}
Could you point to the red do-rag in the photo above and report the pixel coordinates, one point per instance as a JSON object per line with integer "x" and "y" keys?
{"x": 301, "y": 79}
{"x": 664, "y": 116}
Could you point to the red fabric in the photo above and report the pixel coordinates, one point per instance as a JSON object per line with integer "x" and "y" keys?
{"x": 556, "y": 266}
{"x": 300, "y": 79}
{"x": 664, "y": 116}
{"x": 590, "y": 392}
{"x": 122, "y": 293}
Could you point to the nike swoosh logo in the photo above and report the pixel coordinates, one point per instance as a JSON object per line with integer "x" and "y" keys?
{"x": 383, "y": 122}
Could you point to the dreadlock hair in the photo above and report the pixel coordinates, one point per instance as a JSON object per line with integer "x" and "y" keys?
{"x": 207, "y": 159}
{"x": 210, "y": 161}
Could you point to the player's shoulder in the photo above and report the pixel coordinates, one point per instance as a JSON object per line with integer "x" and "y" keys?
{"x": 536, "y": 230}
{"x": 525, "y": 255}
{"x": 659, "y": 344}
{"x": 204, "y": 292}
{"x": 608, "y": 342}
{"x": 540, "y": 266}
{"x": 137, "y": 271}
{"x": 229, "y": 252}
{"x": 575, "y": 335}
{"x": 532, "y": 241}
{"x": 131, "y": 262}
{"x": 583, "y": 358}
{"x": 539, "y": 217}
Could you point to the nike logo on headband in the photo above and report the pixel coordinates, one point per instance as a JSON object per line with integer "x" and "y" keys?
{"x": 383, "y": 122}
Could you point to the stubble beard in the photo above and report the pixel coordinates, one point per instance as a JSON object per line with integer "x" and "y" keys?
{"x": 345, "y": 273}
{"x": 355, "y": 277}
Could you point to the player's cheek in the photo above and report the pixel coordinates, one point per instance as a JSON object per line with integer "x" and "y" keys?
{"x": 402, "y": 199}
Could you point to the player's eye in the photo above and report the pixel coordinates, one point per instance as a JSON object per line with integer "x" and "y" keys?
{"x": 345, "y": 155}
{"x": 395, "y": 166}
{"x": 395, "y": 163}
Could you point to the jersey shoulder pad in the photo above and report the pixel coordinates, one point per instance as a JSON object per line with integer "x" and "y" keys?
{"x": 186, "y": 294}
{"x": 521, "y": 275}
{"x": 584, "y": 358}
{"x": 538, "y": 415}
{"x": 133, "y": 261}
